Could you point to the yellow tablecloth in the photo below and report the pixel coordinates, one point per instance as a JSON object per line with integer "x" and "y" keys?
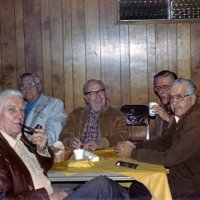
{"x": 152, "y": 176}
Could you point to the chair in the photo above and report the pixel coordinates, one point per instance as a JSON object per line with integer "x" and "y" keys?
{"x": 137, "y": 115}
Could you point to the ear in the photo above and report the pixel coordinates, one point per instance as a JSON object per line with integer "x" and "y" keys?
{"x": 86, "y": 98}
{"x": 194, "y": 98}
{"x": 39, "y": 87}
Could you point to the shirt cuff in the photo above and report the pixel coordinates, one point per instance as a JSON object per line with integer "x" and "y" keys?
{"x": 46, "y": 152}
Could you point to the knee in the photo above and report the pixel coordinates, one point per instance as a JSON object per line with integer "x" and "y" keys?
{"x": 102, "y": 179}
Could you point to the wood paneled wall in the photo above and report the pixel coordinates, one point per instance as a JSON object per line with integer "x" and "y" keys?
{"x": 67, "y": 42}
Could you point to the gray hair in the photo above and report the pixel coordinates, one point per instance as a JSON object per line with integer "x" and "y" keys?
{"x": 35, "y": 78}
{"x": 192, "y": 89}
{"x": 8, "y": 93}
{"x": 85, "y": 86}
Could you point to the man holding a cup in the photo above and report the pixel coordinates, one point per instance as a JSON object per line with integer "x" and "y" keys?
{"x": 162, "y": 112}
{"x": 179, "y": 149}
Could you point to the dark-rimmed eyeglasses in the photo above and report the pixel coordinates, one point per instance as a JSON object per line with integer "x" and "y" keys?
{"x": 178, "y": 97}
{"x": 163, "y": 87}
{"x": 27, "y": 85}
{"x": 94, "y": 93}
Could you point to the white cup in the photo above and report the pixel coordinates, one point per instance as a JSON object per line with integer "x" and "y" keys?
{"x": 151, "y": 112}
{"x": 78, "y": 154}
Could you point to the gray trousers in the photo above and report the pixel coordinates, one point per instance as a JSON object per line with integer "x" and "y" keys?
{"x": 100, "y": 188}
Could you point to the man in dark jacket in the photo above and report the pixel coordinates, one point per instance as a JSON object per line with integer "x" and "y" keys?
{"x": 179, "y": 149}
{"x": 163, "y": 111}
{"x": 24, "y": 164}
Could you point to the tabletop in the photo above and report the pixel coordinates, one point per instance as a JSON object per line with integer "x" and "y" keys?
{"x": 154, "y": 177}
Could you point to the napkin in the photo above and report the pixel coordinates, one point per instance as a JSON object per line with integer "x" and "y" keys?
{"x": 93, "y": 157}
{"x": 80, "y": 163}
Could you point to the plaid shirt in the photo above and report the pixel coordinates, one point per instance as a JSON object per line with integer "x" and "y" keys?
{"x": 91, "y": 129}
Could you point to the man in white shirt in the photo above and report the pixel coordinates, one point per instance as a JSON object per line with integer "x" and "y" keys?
{"x": 24, "y": 164}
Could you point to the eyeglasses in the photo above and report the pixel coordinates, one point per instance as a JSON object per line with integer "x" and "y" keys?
{"x": 178, "y": 97}
{"x": 163, "y": 87}
{"x": 94, "y": 93}
{"x": 27, "y": 85}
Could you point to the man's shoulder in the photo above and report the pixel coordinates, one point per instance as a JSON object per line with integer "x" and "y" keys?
{"x": 79, "y": 110}
{"x": 50, "y": 99}
{"x": 113, "y": 111}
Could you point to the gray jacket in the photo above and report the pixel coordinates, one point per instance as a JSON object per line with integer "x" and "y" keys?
{"x": 50, "y": 113}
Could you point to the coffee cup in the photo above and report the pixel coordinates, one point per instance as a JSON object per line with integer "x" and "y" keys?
{"x": 78, "y": 154}
{"x": 151, "y": 111}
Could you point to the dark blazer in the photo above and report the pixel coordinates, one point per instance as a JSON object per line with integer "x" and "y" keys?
{"x": 14, "y": 175}
{"x": 178, "y": 150}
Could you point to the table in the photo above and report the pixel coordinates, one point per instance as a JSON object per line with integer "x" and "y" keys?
{"x": 154, "y": 177}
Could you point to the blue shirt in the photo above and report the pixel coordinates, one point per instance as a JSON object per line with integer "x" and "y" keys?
{"x": 29, "y": 107}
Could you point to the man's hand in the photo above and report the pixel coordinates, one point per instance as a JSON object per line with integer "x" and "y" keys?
{"x": 76, "y": 143}
{"x": 161, "y": 112}
{"x": 40, "y": 138}
{"x": 92, "y": 145}
{"x": 58, "y": 195}
{"x": 124, "y": 149}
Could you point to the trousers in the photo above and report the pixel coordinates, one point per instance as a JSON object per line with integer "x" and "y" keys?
{"x": 100, "y": 188}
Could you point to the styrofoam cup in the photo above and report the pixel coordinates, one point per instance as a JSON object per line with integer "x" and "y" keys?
{"x": 78, "y": 154}
{"x": 151, "y": 112}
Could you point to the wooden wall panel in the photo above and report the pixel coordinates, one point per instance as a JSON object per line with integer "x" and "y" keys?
{"x": 67, "y": 42}
{"x": 57, "y": 48}
{"x": 32, "y": 32}
{"x": 161, "y": 47}
{"x": 172, "y": 48}
{"x": 125, "y": 63}
{"x": 195, "y": 54}
{"x": 46, "y": 47}
{"x": 68, "y": 59}
{"x": 8, "y": 45}
{"x": 78, "y": 47}
{"x": 183, "y": 50}
{"x": 92, "y": 39}
{"x": 151, "y": 60}
{"x": 19, "y": 26}
{"x": 110, "y": 52}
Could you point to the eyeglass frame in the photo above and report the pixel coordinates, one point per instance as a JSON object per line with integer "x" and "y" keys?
{"x": 94, "y": 93}
{"x": 158, "y": 88}
{"x": 182, "y": 97}
{"x": 27, "y": 85}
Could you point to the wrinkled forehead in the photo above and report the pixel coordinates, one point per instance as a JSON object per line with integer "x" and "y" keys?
{"x": 27, "y": 79}
{"x": 94, "y": 86}
{"x": 178, "y": 89}
{"x": 164, "y": 80}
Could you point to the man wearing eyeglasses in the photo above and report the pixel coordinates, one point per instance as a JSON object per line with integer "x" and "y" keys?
{"x": 163, "y": 111}
{"x": 97, "y": 125}
{"x": 40, "y": 109}
{"x": 177, "y": 150}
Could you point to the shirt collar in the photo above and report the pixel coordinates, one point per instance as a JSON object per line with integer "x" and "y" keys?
{"x": 12, "y": 141}
{"x": 177, "y": 119}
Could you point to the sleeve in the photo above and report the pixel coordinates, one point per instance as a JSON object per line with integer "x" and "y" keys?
{"x": 70, "y": 131}
{"x": 56, "y": 120}
{"x": 118, "y": 130}
{"x": 8, "y": 191}
{"x": 184, "y": 144}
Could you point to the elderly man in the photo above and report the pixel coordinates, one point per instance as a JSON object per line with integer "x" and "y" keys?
{"x": 24, "y": 164}
{"x": 163, "y": 111}
{"x": 47, "y": 111}
{"x": 179, "y": 149}
{"x": 96, "y": 126}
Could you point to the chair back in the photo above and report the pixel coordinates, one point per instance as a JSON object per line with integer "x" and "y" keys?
{"x": 136, "y": 115}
